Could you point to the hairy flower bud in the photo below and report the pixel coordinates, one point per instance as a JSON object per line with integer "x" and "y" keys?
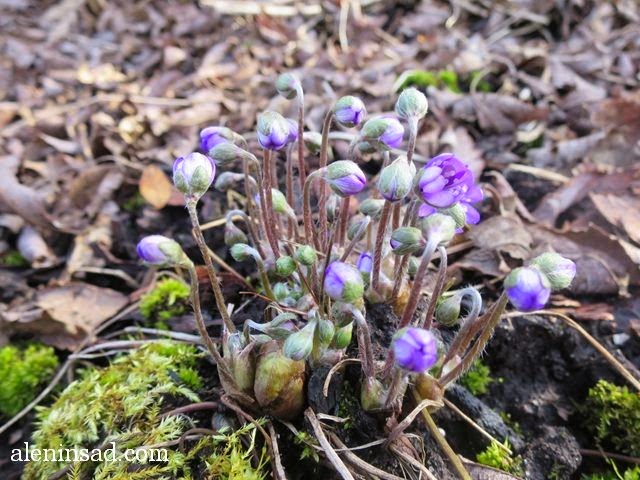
{"x": 193, "y": 174}
{"x": 457, "y": 212}
{"x": 279, "y": 383}
{"x": 527, "y": 288}
{"x": 273, "y": 130}
{"x": 298, "y": 345}
{"x": 349, "y": 111}
{"x": 241, "y": 252}
{"x": 306, "y": 255}
{"x": 411, "y": 104}
{"x": 406, "y": 240}
{"x": 279, "y": 202}
{"x": 313, "y": 141}
{"x": 345, "y": 178}
{"x": 333, "y": 207}
{"x": 326, "y": 330}
{"x": 160, "y": 250}
{"x": 373, "y": 395}
{"x": 415, "y": 349}
{"x": 383, "y": 132}
{"x": 439, "y": 228}
{"x": 356, "y": 226}
{"x": 559, "y": 270}
{"x": 213, "y": 136}
{"x": 285, "y": 266}
{"x": 371, "y": 207}
{"x": 241, "y": 362}
{"x": 226, "y": 180}
{"x": 396, "y": 179}
{"x": 233, "y": 235}
{"x": 281, "y": 291}
{"x": 412, "y": 267}
{"x": 227, "y": 153}
{"x": 343, "y": 282}
{"x": 342, "y": 337}
{"x": 365, "y": 263}
{"x": 448, "y": 310}
{"x": 287, "y": 85}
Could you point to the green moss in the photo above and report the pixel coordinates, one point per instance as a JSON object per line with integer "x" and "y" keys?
{"x": 14, "y": 259}
{"x": 347, "y": 405}
{"x": 496, "y": 457}
{"x": 425, "y": 78}
{"x": 630, "y": 474}
{"x": 133, "y": 203}
{"x": 306, "y": 441}
{"x": 23, "y": 372}
{"x": 613, "y": 416}
{"x": 169, "y": 299}
{"x": 510, "y": 422}
{"x": 478, "y": 378}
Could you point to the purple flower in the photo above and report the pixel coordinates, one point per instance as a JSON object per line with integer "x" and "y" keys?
{"x": 345, "y": 178}
{"x": 365, "y": 262}
{"x": 273, "y": 130}
{"x": 527, "y": 289}
{"x": 445, "y": 180}
{"x": 415, "y": 349}
{"x": 193, "y": 174}
{"x": 159, "y": 250}
{"x": 349, "y": 111}
{"x": 212, "y": 136}
{"x": 343, "y": 282}
{"x": 384, "y": 132}
{"x": 293, "y": 130}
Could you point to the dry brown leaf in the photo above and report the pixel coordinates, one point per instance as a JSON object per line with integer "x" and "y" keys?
{"x": 620, "y": 211}
{"x": 553, "y": 204}
{"x": 155, "y": 187}
{"x": 34, "y": 249}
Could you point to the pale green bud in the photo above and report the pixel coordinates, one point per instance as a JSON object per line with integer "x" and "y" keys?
{"x": 439, "y": 228}
{"x": 411, "y": 104}
{"x": 233, "y": 235}
{"x": 559, "y": 270}
{"x": 306, "y": 255}
{"x": 298, "y": 345}
{"x": 448, "y": 310}
{"x": 342, "y": 337}
{"x": 285, "y": 266}
{"x": 407, "y": 240}
{"x": 396, "y": 179}
{"x": 372, "y": 207}
{"x": 287, "y": 85}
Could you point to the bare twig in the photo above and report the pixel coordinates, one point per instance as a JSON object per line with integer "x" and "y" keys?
{"x": 331, "y": 454}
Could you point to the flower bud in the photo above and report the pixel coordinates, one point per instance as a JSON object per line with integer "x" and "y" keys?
{"x": 242, "y": 252}
{"x": 306, "y": 255}
{"x": 333, "y": 207}
{"x": 345, "y": 178}
{"x": 212, "y": 136}
{"x": 342, "y": 337}
{"x": 279, "y": 383}
{"x": 457, "y": 212}
{"x": 383, "y": 132}
{"x": 160, "y": 250}
{"x": 279, "y": 328}
{"x": 343, "y": 282}
{"x": 313, "y": 141}
{"x": 415, "y": 349}
{"x": 366, "y": 148}
{"x": 233, "y": 235}
{"x": 281, "y": 291}
{"x": 326, "y": 330}
{"x": 241, "y": 362}
{"x": 448, "y": 310}
{"x": 293, "y": 130}
{"x": 428, "y": 387}
{"x": 193, "y": 174}
{"x": 273, "y": 130}
{"x": 356, "y": 226}
{"x": 279, "y": 202}
{"x": 365, "y": 263}
{"x": 372, "y": 207}
{"x": 298, "y": 345}
{"x": 285, "y": 266}
{"x": 558, "y": 269}
{"x": 411, "y": 104}
{"x": 396, "y": 179}
{"x": 373, "y": 395}
{"x": 527, "y": 288}
{"x": 439, "y": 228}
{"x": 349, "y": 111}
{"x": 412, "y": 267}
{"x": 406, "y": 240}
{"x": 226, "y": 180}
{"x": 227, "y": 153}
{"x": 287, "y": 85}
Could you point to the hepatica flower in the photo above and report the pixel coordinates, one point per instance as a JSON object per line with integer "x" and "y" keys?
{"x": 345, "y": 178}
{"x": 559, "y": 270}
{"x": 212, "y": 136}
{"x": 385, "y": 132}
{"x": 349, "y": 111}
{"x": 159, "y": 250}
{"x": 415, "y": 349}
{"x": 527, "y": 289}
{"x": 274, "y": 131}
{"x": 365, "y": 263}
{"x": 445, "y": 180}
{"x": 343, "y": 282}
{"x": 193, "y": 174}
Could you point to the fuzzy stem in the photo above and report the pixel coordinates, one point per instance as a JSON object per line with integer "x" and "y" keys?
{"x": 417, "y": 284}
{"x": 470, "y": 326}
{"x": 395, "y": 218}
{"x": 289, "y": 189}
{"x": 437, "y": 290}
{"x": 322, "y": 199}
{"x": 264, "y": 278}
{"x": 270, "y": 226}
{"x": 306, "y": 209}
{"x": 398, "y": 387}
{"x": 301, "y": 167}
{"x": 413, "y": 133}
{"x": 364, "y": 343}
{"x": 410, "y": 212}
{"x": 250, "y": 204}
{"x": 250, "y": 227}
{"x": 377, "y": 253}
{"x": 213, "y": 277}
{"x": 356, "y": 238}
{"x": 398, "y": 276}
{"x": 342, "y": 223}
{"x": 442, "y": 442}
{"x": 476, "y": 349}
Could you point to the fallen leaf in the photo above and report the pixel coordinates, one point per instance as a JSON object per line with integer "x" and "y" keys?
{"x": 620, "y": 211}
{"x": 155, "y": 187}
{"x": 34, "y": 249}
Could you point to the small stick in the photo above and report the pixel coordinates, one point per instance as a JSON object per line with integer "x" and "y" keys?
{"x": 331, "y": 454}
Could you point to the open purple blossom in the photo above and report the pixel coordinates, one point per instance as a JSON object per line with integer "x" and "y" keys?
{"x": 415, "y": 349}
{"x": 159, "y": 250}
{"x": 349, "y": 111}
{"x": 345, "y": 178}
{"x": 343, "y": 282}
{"x": 445, "y": 180}
{"x": 365, "y": 262}
{"x": 193, "y": 174}
{"x": 274, "y": 131}
{"x": 527, "y": 289}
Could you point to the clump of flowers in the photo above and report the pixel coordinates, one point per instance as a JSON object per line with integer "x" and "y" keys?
{"x": 319, "y": 265}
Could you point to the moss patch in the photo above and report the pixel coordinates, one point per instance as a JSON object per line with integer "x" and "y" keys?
{"x": 497, "y": 457}
{"x": 169, "y": 299}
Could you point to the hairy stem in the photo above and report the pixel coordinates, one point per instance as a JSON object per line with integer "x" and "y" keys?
{"x": 213, "y": 276}
{"x": 270, "y": 226}
{"x": 322, "y": 199}
{"x": 342, "y": 223}
{"x": 306, "y": 209}
{"x": 356, "y": 238}
{"x": 470, "y": 325}
{"x": 301, "y": 167}
{"x": 377, "y": 252}
{"x": 414, "y": 296}
{"x": 437, "y": 290}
